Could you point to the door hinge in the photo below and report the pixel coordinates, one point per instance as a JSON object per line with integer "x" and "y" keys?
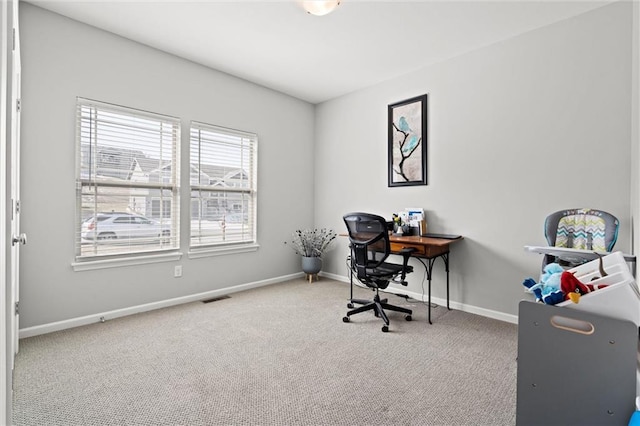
{"x": 17, "y": 206}
{"x": 18, "y": 105}
{"x": 17, "y": 308}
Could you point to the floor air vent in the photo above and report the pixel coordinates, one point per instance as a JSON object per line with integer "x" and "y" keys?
{"x": 215, "y": 299}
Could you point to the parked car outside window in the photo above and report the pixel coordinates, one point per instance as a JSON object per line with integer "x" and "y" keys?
{"x": 236, "y": 218}
{"x": 123, "y": 226}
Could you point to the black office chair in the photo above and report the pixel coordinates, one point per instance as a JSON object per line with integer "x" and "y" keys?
{"x": 370, "y": 247}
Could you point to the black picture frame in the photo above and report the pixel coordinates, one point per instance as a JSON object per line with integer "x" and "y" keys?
{"x": 407, "y": 142}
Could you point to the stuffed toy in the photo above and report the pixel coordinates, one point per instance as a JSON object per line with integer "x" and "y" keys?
{"x": 547, "y": 290}
{"x": 557, "y": 285}
{"x": 635, "y": 417}
{"x": 573, "y": 288}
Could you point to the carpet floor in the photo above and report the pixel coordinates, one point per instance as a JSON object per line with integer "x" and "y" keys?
{"x": 276, "y": 355}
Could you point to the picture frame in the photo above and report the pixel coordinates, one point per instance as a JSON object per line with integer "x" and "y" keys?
{"x": 407, "y": 142}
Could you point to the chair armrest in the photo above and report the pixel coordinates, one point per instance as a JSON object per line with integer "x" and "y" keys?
{"x": 406, "y": 254}
{"x": 407, "y": 250}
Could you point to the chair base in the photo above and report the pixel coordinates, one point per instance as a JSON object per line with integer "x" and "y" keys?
{"x": 378, "y": 307}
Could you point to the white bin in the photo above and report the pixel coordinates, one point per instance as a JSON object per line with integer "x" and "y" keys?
{"x": 621, "y": 299}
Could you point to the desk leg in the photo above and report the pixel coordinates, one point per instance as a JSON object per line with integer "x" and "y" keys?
{"x": 430, "y": 263}
{"x": 429, "y": 267}
{"x": 445, "y": 258}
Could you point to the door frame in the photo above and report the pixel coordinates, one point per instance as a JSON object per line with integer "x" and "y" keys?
{"x": 9, "y": 129}
{"x": 13, "y": 121}
{"x": 5, "y": 370}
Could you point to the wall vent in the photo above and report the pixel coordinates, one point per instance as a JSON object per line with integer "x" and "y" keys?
{"x": 215, "y": 299}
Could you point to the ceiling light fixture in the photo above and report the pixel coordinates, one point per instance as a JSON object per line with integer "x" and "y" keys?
{"x": 320, "y": 7}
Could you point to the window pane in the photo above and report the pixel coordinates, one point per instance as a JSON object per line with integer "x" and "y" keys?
{"x": 219, "y": 217}
{"x": 121, "y": 220}
{"x": 119, "y": 146}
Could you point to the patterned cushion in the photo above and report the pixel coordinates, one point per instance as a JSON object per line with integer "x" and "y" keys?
{"x": 584, "y": 229}
{"x": 581, "y": 231}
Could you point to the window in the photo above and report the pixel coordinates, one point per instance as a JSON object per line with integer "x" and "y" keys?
{"x": 223, "y": 186}
{"x": 127, "y": 180}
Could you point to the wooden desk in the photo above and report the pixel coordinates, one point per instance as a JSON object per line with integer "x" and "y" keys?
{"x": 425, "y": 248}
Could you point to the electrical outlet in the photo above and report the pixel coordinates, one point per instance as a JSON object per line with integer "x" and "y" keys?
{"x": 177, "y": 272}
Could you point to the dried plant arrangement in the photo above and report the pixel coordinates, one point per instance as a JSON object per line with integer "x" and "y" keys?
{"x": 312, "y": 242}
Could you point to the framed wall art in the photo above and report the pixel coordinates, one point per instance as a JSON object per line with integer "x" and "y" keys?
{"x": 408, "y": 142}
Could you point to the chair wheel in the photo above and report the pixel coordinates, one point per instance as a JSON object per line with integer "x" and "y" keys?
{"x": 408, "y": 318}
{"x": 350, "y": 305}
{"x": 345, "y": 319}
{"x": 385, "y": 328}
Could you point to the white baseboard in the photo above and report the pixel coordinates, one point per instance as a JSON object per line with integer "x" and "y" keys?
{"x": 91, "y": 319}
{"x": 489, "y": 313}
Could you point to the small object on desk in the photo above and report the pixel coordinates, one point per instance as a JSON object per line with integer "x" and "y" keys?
{"x": 416, "y": 220}
{"x": 443, "y": 236}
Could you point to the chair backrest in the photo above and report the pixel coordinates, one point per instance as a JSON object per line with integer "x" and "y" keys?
{"x": 584, "y": 229}
{"x": 368, "y": 233}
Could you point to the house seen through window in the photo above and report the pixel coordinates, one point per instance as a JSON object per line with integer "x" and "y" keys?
{"x": 127, "y": 180}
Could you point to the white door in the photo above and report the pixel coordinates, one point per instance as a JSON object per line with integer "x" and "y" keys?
{"x": 17, "y": 238}
{"x": 9, "y": 191}
{"x": 5, "y": 347}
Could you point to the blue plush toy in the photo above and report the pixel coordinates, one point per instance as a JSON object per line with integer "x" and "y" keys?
{"x": 635, "y": 417}
{"x": 548, "y": 289}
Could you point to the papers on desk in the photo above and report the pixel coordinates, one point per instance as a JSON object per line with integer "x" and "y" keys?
{"x": 416, "y": 219}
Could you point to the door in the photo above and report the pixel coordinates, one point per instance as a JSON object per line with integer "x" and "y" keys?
{"x": 10, "y": 236}
{"x": 17, "y": 238}
{"x": 5, "y": 347}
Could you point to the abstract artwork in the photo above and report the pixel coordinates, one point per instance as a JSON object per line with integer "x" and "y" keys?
{"x": 408, "y": 142}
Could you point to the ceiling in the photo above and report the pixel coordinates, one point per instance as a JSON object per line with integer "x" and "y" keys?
{"x": 278, "y": 45}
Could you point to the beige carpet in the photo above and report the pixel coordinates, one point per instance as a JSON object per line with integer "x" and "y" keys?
{"x": 278, "y": 355}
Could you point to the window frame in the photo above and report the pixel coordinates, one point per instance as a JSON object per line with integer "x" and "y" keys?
{"x": 210, "y": 247}
{"x": 138, "y": 253}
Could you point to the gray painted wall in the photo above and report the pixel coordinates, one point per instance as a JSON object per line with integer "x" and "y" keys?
{"x": 517, "y": 130}
{"x": 63, "y": 59}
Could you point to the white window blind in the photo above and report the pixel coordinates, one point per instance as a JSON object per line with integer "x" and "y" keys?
{"x": 127, "y": 173}
{"x": 223, "y": 186}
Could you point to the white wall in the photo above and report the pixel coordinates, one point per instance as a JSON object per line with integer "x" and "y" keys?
{"x": 63, "y": 59}
{"x": 516, "y": 130}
